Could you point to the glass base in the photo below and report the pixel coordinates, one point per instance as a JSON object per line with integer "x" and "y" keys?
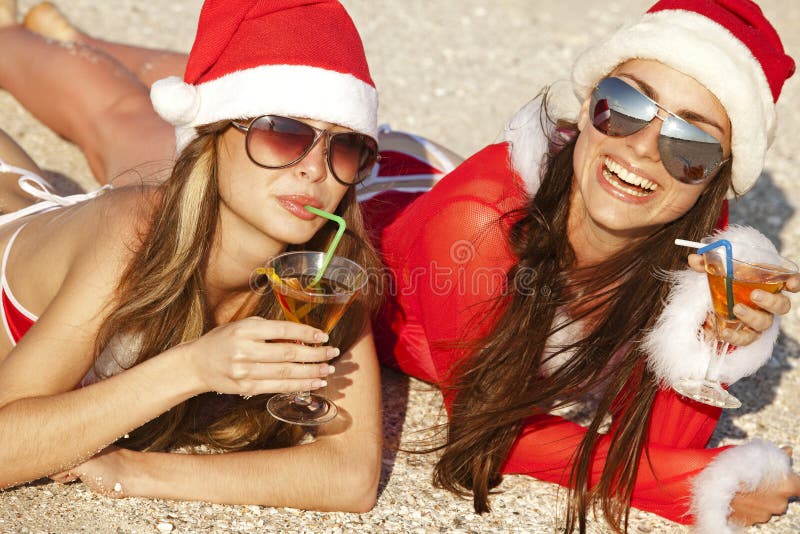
{"x": 707, "y": 392}
{"x": 308, "y": 410}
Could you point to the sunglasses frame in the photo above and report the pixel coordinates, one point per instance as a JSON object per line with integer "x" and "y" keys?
{"x": 319, "y": 133}
{"x": 673, "y": 123}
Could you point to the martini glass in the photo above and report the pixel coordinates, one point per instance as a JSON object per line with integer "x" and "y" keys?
{"x": 319, "y": 304}
{"x": 753, "y": 269}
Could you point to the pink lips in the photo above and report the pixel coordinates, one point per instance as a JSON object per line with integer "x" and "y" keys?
{"x": 295, "y": 204}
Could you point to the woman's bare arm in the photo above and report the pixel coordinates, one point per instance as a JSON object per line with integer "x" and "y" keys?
{"x": 46, "y": 426}
{"x": 338, "y": 471}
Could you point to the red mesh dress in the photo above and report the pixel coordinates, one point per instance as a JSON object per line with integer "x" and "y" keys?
{"x": 447, "y": 252}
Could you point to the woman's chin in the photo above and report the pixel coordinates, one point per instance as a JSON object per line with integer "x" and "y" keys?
{"x": 295, "y": 238}
{"x": 622, "y": 225}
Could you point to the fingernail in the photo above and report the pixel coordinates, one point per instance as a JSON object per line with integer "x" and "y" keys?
{"x": 332, "y": 351}
{"x": 319, "y": 383}
{"x": 331, "y": 369}
{"x": 726, "y": 332}
{"x": 739, "y": 308}
{"x": 757, "y": 296}
{"x": 322, "y": 337}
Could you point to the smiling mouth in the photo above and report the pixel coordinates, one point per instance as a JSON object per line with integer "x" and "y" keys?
{"x": 626, "y": 181}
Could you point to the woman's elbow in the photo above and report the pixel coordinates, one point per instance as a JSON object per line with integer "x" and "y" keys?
{"x": 362, "y": 492}
{"x": 360, "y": 477}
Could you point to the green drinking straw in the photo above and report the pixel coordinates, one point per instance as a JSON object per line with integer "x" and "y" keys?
{"x": 335, "y": 243}
{"x": 728, "y": 267}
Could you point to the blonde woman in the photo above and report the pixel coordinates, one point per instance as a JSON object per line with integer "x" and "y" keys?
{"x": 130, "y": 326}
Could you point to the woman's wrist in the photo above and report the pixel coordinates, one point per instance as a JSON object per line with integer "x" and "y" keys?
{"x": 137, "y": 478}
{"x": 184, "y": 371}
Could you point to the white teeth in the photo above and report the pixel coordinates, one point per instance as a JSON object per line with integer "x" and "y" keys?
{"x": 628, "y": 177}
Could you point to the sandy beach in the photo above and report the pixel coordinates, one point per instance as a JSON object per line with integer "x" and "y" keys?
{"x": 451, "y": 70}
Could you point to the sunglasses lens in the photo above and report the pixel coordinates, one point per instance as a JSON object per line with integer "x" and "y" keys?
{"x": 688, "y": 160}
{"x": 352, "y": 156}
{"x": 619, "y": 110}
{"x": 688, "y": 153}
{"x": 275, "y": 141}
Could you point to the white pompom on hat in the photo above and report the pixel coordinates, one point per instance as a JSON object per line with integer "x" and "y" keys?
{"x": 726, "y": 45}
{"x": 301, "y": 58}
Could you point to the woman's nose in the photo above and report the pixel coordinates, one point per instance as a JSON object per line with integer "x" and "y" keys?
{"x": 645, "y": 142}
{"x": 314, "y": 166}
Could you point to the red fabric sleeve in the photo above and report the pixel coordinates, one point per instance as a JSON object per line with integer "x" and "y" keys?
{"x": 679, "y": 431}
{"x": 448, "y": 257}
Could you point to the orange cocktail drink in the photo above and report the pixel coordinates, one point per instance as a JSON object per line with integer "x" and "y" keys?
{"x": 733, "y": 272}
{"x": 312, "y": 293}
{"x": 747, "y": 277}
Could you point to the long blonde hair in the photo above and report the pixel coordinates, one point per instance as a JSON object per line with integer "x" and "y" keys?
{"x": 161, "y": 302}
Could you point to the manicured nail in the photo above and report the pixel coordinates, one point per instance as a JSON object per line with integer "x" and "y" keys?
{"x": 332, "y": 352}
{"x": 322, "y": 337}
{"x": 319, "y": 383}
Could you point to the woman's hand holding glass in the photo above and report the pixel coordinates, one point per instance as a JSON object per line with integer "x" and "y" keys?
{"x": 754, "y": 320}
{"x": 255, "y": 356}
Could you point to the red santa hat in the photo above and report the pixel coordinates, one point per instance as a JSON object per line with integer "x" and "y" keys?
{"x": 302, "y": 58}
{"x": 726, "y": 45}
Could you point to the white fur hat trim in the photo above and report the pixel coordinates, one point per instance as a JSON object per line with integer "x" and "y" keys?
{"x": 295, "y": 90}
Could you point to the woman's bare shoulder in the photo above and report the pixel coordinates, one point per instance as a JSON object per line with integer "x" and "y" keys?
{"x": 126, "y": 212}
{"x": 114, "y": 223}
{"x": 113, "y": 226}
{"x": 91, "y": 241}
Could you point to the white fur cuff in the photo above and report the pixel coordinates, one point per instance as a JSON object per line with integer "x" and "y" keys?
{"x": 674, "y": 346}
{"x": 741, "y": 468}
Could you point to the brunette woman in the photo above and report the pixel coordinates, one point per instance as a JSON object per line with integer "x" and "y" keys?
{"x": 131, "y": 329}
{"x": 534, "y": 277}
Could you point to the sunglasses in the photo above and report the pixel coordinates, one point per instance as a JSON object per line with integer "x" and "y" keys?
{"x": 689, "y": 154}
{"x": 276, "y": 142}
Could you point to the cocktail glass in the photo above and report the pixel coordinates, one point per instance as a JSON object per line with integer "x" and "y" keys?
{"x": 753, "y": 269}
{"x": 320, "y": 305}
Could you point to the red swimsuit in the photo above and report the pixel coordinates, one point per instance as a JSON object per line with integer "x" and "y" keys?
{"x": 16, "y": 319}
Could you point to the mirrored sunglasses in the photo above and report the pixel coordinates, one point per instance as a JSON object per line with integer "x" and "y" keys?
{"x": 689, "y": 154}
{"x": 276, "y": 142}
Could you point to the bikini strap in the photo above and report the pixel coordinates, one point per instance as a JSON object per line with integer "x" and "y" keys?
{"x": 36, "y": 186}
{"x": 7, "y": 251}
{"x": 11, "y": 169}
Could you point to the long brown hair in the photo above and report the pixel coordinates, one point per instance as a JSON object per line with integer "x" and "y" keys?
{"x": 499, "y": 383}
{"x": 160, "y": 302}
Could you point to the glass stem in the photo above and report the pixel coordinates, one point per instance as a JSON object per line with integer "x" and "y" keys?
{"x": 302, "y": 398}
{"x": 715, "y": 365}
